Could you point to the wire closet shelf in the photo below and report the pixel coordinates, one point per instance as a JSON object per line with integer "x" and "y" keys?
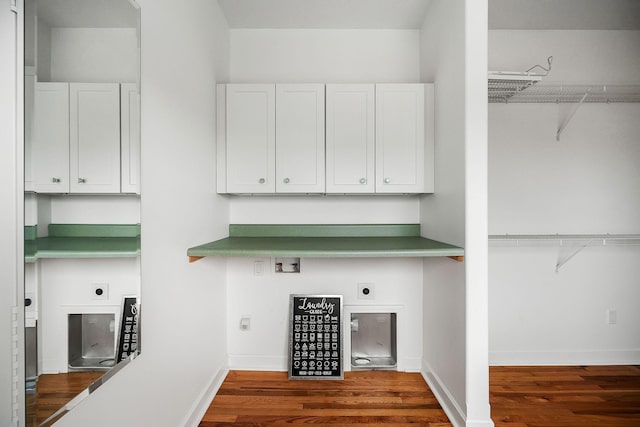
{"x": 524, "y": 87}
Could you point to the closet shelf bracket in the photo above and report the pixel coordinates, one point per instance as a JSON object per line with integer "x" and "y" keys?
{"x": 572, "y": 113}
{"x": 563, "y": 260}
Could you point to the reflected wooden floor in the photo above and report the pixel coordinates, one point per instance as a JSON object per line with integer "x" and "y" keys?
{"x": 603, "y": 396}
{"x": 53, "y": 391}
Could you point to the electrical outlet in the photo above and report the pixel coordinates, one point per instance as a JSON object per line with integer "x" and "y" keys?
{"x": 366, "y": 291}
{"x": 612, "y": 317}
{"x": 99, "y": 291}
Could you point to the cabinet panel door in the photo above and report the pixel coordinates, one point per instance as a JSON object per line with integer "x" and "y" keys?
{"x": 130, "y": 138}
{"x": 300, "y": 138}
{"x": 350, "y": 138}
{"x": 250, "y": 139}
{"x": 50, "y": 141}
{"x": 94, "y": 138}
{"x": 29, "y": 100}
{"x": 400, "y": 138}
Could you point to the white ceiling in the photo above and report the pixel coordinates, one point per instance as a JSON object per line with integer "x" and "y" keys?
{"x": 324, "y": 13}
{"x": 87, "y": 13}
{"x": 564, "y": 14}
{"x": 503, "y": 14}
{"x": 393, "y": 14}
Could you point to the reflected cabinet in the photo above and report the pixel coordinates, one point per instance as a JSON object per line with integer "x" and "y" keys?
{"x": 78, "y": 132}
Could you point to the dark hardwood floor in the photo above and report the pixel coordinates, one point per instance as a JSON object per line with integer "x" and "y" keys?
{"x": 566, "y": 396}
{"x": 368, "y": 397}
{"x": 598, "y": 396}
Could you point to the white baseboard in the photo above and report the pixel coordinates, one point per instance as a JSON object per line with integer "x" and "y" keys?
{"x": 564, "y": 358}
{"x": 451, "y": 408}
{"x": 279, "y": 363}
{"x": 202, "y": 404}
{"x": 456, "y": 414}
{"x": 258, "y": 363}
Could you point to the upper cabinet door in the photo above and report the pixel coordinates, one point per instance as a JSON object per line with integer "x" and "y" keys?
{"x": 400, "y": 138}
{"x": 300, "y": 138}
{"x": 29, "y": 100}
{"x": 94, "y": 139}
{"x": 50, "y": 139}
{"x": 130, "y": 138}
{"x": 350, "y": 138}
{"x": 250, "y": 138}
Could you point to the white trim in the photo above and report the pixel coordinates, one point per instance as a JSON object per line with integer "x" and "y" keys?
{"x": 445, "y": 398}
{"x": 564, "y": 358}
{"x": 257, "y": 363}
{"x": 204, "y": 400}
{"x": 410, "y": 364}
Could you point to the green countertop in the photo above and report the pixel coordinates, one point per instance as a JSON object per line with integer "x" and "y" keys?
{"x": 83, "y": 241}
{"x": 337, "y": 241}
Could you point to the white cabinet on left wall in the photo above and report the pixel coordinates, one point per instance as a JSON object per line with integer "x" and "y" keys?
{"x": 76, "y": 138}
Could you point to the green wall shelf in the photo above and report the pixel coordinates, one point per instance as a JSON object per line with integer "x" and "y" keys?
{"x": 325, "y": 241}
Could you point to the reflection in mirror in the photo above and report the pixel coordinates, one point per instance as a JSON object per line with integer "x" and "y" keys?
{"x": 82, "y": 198}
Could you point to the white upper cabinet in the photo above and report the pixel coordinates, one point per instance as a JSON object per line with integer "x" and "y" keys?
{"x": 300, "y": 138}
{"x": 250, "y": 138}
{"x": 350, "y": 138}
{"x": 29, "y": 99}
{"x": 130, "y": 138}
{"x": 94, "y": 138}
{"x": 50, "y": 139}
{"x": 379, "y": 138}
{"x": 75, "y": 146}
{"x": 404, "y": 151}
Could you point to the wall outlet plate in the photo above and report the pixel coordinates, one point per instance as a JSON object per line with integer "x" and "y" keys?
{"x": 99, "y": 291}
{"x": 366, "y": 291}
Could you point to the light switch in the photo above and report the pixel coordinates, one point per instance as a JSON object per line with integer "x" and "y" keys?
{"x": 258, "y": 268}
{"x": 245, "y": 323}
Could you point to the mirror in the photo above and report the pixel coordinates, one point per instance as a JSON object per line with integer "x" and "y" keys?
{"x": 82, "y": 198}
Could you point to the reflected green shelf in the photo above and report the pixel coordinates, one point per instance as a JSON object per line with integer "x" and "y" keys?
{"x": 84, "y": 241}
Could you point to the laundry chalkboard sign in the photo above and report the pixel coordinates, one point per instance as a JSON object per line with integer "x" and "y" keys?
{"x": 128, "y": 340}
{"x": 315, "y": 337}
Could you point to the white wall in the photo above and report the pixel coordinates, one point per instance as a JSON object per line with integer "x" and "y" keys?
{"x": 584, "y": 183}
{"x": 43, "y": 49}
{"x": 397, "y": 284}
{"x": 184, "y": 53}
{"x": 325, "y": 210}
{"x": 325, "y": 56}
{"x": 442, "y": 214}
{"x": 540, "y": 317}
{"x": 455, "y": 355}
{"x": 94, "y": 55}
{"x": 587, "y": 182}
{"x": 579, "y": 56}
